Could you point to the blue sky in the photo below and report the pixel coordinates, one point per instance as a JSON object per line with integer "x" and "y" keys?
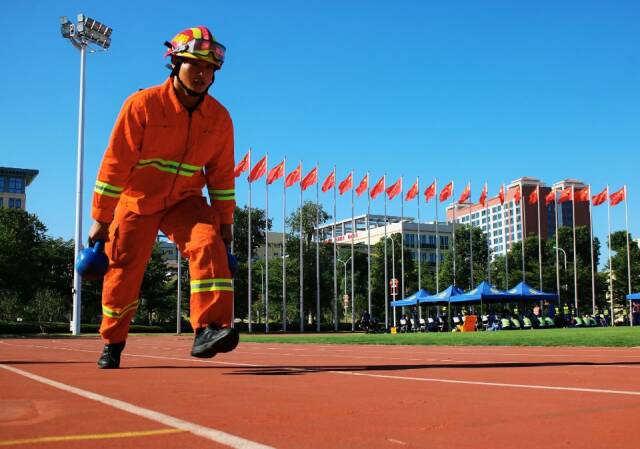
{"x": 462, "y": 90}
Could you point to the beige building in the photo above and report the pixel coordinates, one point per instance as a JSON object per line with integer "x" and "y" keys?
{"x": 414, "y": 234}
{"x": 13, "y": 184}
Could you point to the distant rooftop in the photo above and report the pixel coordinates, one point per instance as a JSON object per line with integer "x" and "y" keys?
{"x": 28, "y": 173}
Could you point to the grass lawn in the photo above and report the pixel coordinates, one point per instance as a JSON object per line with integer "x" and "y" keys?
{"x": 617, "y": 336}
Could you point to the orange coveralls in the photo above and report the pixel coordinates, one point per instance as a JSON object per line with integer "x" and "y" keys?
{"x": 151, "y": 178}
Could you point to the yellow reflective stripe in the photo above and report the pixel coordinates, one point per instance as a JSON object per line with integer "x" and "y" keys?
{"x": 211, "y": 285}
{"x": 169, "y": 166}
{"x": 119, "y": 313}
{"x": 102, "y": 188}
{"x": 222, "y": 194}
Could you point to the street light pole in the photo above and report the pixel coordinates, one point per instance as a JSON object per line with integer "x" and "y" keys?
{"x": 84, "y": 33}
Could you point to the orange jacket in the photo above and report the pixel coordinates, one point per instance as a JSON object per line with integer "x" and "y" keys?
{"x": 159, "y": 154}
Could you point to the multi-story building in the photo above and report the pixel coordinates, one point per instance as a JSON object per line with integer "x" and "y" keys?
{"x": 423, "y": 234}
{"x": 503, "y": 222}
{"x": 13, "y": 184}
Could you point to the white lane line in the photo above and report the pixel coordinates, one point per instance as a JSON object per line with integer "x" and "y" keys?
{"x": 311, "y": 369}
{"x": 209, "y": 433}
{"x": 491, "y": 384}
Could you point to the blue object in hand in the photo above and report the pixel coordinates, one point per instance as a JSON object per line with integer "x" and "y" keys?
{"x": 233, "y": 263}
{"x": 93, "y": 262}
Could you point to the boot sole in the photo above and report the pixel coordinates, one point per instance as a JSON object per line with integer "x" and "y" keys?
{"x": 226, "y": 343}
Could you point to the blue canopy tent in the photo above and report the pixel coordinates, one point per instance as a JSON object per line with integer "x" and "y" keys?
{"x": 633, "y": 297}
{"x": 522, "y": 291}
{"x": 411, "y": 300}
{"x": 444, "y": 297}
{"x": 483, "y": 293}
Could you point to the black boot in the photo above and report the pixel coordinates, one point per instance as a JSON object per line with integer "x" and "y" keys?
{"x": 110, "y": 358}
{"x": 212, "y": 339}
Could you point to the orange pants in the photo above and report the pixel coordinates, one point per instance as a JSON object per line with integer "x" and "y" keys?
{"x": 193, "y": 225}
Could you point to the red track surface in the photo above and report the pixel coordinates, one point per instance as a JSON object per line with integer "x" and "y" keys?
{"x": 322, "y": 396}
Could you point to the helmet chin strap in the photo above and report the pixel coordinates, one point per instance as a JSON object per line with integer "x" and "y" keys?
{"x": 192, "y": 93}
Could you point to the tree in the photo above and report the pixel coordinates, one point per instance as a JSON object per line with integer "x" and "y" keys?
{"x": 309, "y": 210}
{"x": 241, "y": 231}
{"x": 21, "y": 237}
{"x": 156, "y": 302}
{"x": 463, "y": 259}
{"x": 620, "y": 270}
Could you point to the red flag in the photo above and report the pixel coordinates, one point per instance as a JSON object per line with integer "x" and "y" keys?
{"x": 565, "y": 195}
{"x": 329, "y": 182}
{"x": 346, "y": 184}
{"x": 243, "y": 165}
{"x": 258, "y": 170}
{"x": 582, "y": 194}
{"x": 363, "y": 186}
{"x": 550, "y": 198}
{"x": 446, "y": 193}
{"x": 483, "y": 196}
{"x": 501, "y": 194}
{"x": 466, "y": 194}
{"x": 430, "y": 192}
{"x": 413, "y": 191}
{"x": 617, "y": 197}
{"x": 600, "y": 197}
{"x": 517, "y": 196}
{"x": 310, "y": 179}
{"x": 377, "y": 188}
{"x": 533, "y": 196}
{"x": 394, "y": 189}
{"x": 293, "y": 177}
{"x": 276, "y": 172}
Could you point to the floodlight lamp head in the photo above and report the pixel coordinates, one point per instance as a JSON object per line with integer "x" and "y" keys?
{"x": 66, "y": 27}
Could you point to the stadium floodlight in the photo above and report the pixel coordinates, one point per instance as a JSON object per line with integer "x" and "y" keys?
{"x": 86, "y": 34}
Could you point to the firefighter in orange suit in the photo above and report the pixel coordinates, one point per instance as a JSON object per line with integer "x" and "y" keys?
{"x": 168, "y": 142}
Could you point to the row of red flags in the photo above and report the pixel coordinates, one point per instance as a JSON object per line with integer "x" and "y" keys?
{"x": 295, "y": 176}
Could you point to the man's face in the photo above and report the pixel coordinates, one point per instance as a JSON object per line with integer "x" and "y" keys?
{"x": 197, "y": 74}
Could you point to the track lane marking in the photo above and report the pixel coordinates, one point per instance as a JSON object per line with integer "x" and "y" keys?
{"x": 491, "y": 384}
{"x": 381, "y": 376}
{"x": 208, "y": 433}
{"x": 95, "y": 436}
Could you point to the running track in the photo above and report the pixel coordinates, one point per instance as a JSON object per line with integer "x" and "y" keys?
{"x": 317, "y": 396}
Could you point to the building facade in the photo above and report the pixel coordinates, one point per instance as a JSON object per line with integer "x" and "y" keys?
{"x": 503, "y": 223}
{"x": 13, "y": 186}
{"x": 370, "y": 229}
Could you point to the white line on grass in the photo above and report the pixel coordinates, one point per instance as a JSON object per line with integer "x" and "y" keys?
{"x": 209, "y": 433}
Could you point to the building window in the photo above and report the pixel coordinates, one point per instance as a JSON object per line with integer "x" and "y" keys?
{"x": 16, "y": 185}
{"x": 11, "y": 203}
{"x": 1, "y": 202}
{"x": 1, "y": 184}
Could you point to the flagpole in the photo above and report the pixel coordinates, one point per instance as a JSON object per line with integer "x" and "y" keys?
{"x": 368, "y": 244}
{"x": 575, "y": 256}
{"x": 386, "y": 277}
{"x": 266, "y": 250}
{"x": 249, "y": 286}
{"x": 335, "y": 256}
{"x": 353, "y": 231}
{"x": 593, "y": 275}
{"x": 486, "y": 214}
{"x": 437, "y": 199}
{"x": 301, "y": 259}
{"x": 610, "y": 262}
{"x": 470, "y": 243}
{"x": 555, "y": 207}
{"x": 284, "y": 249}
{"x": 402, "y": 237}
{"x": 454, "y": 255}
{"x": 504, "y": 232}
{"x": 539, "y": 239}
{"x": 626, "y": 220}
{"x": 419, "y": 261}
{"x": 522, "y": 234}
{"x": 317, "y": 254}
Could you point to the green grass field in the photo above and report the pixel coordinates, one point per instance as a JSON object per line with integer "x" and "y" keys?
{"x": 612, "y": 337}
